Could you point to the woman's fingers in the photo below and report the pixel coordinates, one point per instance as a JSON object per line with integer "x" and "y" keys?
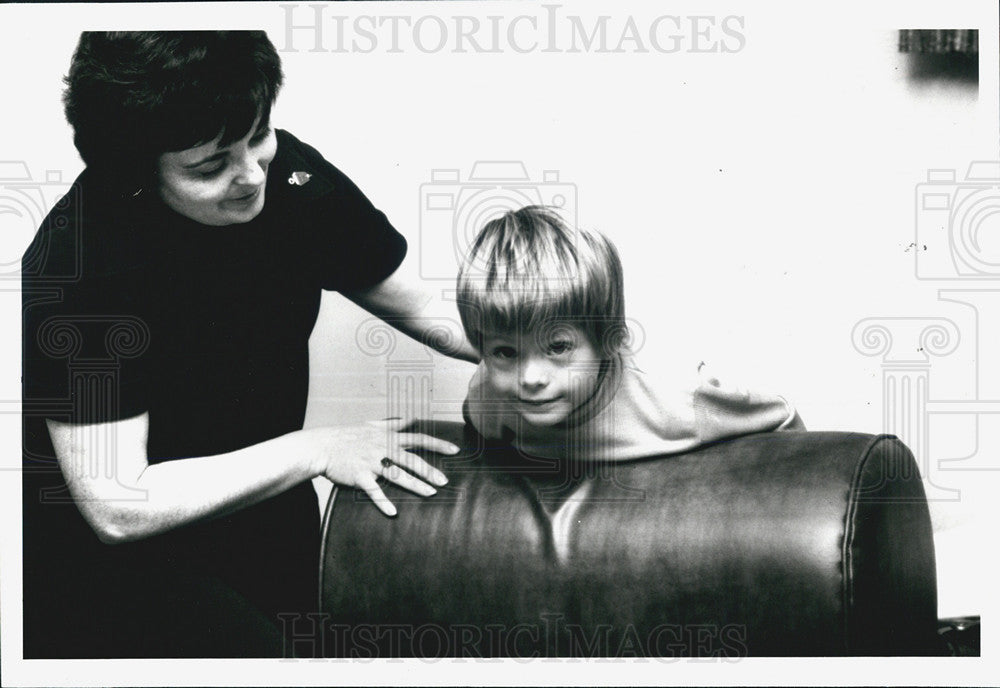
{"x": 397, "y": 475}
{"x": 414, "y": 464}
{"x": 377, "y": 496}
{"x": 351, "y": 460}
{"x": 417, "y": 440}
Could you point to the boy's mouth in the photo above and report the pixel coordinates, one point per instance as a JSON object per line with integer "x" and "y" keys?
{"x": 538, "y": 402}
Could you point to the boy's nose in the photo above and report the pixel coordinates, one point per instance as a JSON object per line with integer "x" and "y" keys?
{"x": 534, "y": 373}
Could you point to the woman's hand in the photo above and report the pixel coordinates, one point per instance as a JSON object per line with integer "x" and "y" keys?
{"x": 125, "y": 498}
{"x": 358, "y": 455}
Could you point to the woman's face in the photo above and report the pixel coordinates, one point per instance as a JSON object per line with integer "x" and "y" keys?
{"x": 219, "y": 186}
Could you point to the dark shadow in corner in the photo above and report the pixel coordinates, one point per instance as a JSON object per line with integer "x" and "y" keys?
{"x": 960, "y": 68}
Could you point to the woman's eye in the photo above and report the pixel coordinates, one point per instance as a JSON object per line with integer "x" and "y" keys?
{"x": 211, "y": 172}
{"x": 560, "y": 347}
{"x": 260, "y": 136}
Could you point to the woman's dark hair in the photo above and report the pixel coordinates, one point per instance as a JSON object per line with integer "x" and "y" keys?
{"x": 133, "y": 95}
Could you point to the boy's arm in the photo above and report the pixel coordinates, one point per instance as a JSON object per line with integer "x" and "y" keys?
{"x": 725, "y": 409}
{"x": 794, "y": 421}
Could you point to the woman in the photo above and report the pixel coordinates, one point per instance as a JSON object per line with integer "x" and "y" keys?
{"x": 168, "y": 303}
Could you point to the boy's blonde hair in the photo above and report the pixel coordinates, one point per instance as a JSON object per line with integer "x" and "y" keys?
{"x": 528, "y": 272}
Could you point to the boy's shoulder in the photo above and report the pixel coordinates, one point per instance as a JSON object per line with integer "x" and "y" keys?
{"x": 717, "y": 400}
{"x": 660, "y": 374}
{"x": 689, "y": 374}
{"x": 689, "y": 383}
{"x": 481, "y": 408}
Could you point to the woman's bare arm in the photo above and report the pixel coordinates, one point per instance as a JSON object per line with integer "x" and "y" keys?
{"x": 123, "y": 497}
{"x": 404, "y": 301}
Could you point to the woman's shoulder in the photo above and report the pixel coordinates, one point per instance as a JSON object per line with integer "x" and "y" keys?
{"x": 302, "y": 182}
{"x": 88, "y": 220}
{"x": 291, "y": 149}
{"x": 301, "y": 169}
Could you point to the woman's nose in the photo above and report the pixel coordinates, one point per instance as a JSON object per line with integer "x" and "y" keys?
{"x": 251, "y": 172}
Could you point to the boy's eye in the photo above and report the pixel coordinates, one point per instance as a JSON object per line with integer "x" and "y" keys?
{"x": 504, "y": 352}
{"x": 560, "y": 346}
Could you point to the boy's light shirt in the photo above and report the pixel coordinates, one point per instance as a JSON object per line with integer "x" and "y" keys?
{"x": 635, "y": 415}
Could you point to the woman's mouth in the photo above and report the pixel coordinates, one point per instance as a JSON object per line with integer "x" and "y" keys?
{"x": 245, "y": 199}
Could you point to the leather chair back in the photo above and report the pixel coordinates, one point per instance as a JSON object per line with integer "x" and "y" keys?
{"x": 794, "y": 543}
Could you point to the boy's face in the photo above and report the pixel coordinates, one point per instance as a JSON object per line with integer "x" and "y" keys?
{"x": 543, "y": 376}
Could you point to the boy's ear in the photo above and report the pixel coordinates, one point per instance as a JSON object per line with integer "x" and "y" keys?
{"x": 611, "y": 344}
{"x": 617, "y": 339}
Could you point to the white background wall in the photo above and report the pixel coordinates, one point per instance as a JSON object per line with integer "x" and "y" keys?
{"x": 763, "y": 200}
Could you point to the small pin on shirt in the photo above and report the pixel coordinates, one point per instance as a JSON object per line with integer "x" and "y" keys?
{"x": 299, "y": 178}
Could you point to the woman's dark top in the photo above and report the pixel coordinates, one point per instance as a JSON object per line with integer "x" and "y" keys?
{"x": 129, "y": 307}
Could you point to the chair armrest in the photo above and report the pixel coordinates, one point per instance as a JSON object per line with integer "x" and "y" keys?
{"x": 792, "y": 543}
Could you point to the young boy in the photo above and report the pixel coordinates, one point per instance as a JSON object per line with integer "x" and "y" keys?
{"x": 544, "y": 305}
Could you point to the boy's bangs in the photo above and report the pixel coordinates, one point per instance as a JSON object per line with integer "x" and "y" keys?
{"x": 528, "y": 306}
{"x": 529, "y": 274}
